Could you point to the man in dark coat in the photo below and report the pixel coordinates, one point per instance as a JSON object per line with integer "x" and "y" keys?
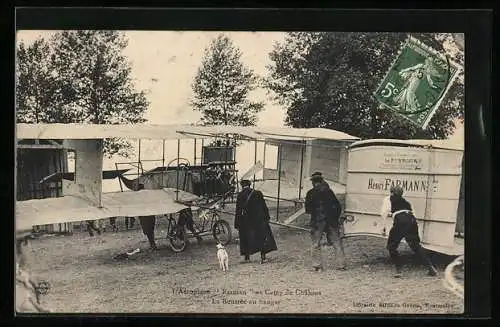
{"x": 148, "y": 226}
{"x": 252, "y": 222}
{"x": 324, "y": 208}
{"x": 404, "y": 226}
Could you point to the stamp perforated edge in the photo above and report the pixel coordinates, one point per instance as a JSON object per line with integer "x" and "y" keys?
{"x": 432, "y": 51}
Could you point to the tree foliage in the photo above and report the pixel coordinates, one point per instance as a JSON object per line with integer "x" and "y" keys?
{"x": 35, "y": 85}
{"x": 327, "y": 79}
{"x": 79, "y": 77}
{"x": 222, "y": 85}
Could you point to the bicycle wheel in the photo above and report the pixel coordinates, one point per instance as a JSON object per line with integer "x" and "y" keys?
{"x": 222, "y": 232}
{"x": 178, "y": 238}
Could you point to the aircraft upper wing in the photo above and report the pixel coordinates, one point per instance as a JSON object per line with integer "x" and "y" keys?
{"x": 116, "y": 204}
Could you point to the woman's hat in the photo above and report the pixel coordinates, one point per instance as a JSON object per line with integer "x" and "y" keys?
{"x": 316, "y": 176}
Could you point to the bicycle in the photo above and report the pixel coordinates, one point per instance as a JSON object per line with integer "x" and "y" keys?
{"x": 211, "y": 223}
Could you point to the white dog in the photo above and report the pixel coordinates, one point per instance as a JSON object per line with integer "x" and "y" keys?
{"x": 222, "y": 257}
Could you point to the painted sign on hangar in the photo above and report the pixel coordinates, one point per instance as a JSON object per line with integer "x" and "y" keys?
{"x": 430, "y": 178}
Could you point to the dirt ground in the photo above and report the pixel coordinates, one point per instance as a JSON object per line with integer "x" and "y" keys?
{"x": 85, "y": 278}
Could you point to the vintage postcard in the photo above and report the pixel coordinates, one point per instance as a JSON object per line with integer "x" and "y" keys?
{"x": 239, "y": 172}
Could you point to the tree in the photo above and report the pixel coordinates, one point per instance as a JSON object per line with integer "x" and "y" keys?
{"x": 35, "y": 85}
{"x": 89, "y": 80}
{"x": 327, "y": 80}
{"x": 222, "y": 85}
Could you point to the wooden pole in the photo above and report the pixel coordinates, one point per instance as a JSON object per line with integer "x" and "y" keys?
{"x": 264, "y": 159}
{"x": 279, "y": 182}
{"x": 301, "y": 168}
{"x": 202, "y": 151}
{"x": 138, "y": 164}
{"x": 163, "y": 165}
{"x": 255, "y": 157}
{"x": 194, "y": 157}
{"x": 119, "y": 179}
{"x": 178, "y": 155}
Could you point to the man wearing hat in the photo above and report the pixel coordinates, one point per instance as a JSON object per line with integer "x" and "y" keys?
{"x": 404, "y": 226}
{"x": 324, "y": 208}
{"x": 27, "y": 293}
{"x": 252, "y": 222}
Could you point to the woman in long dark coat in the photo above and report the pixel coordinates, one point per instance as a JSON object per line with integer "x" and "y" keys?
{"x": 252, "y": 223}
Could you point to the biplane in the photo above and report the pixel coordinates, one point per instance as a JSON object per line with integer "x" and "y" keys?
{"x": 359, "y": 171}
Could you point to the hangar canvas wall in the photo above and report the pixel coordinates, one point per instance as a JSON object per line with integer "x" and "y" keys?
{"x": 296, "y": 161}
{"x": 327, "y": 156}
{"x": 34, "y": 161}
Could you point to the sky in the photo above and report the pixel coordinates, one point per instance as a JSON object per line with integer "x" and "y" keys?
{"x": 164, "y": 63}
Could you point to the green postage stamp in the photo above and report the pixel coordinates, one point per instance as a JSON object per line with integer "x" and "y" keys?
{"x": 417, "y": 82}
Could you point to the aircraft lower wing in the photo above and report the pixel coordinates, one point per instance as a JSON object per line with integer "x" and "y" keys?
{"x": 116, "y": 204}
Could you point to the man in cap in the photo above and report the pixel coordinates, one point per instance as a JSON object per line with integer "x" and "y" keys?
{"x": 404, "y": 226}
{"x": 252, "y": 222}
{"x": 27, "y": 294}
{"x": 325, "y": 209}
